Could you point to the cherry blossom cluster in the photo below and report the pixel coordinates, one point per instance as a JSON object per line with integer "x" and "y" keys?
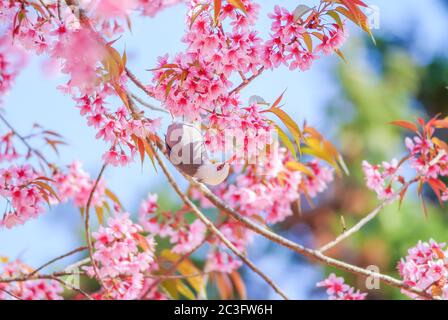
{"x": 427, "y": 157}
{"x": 269, "y": 191}
{"x": 337, "y": 289}
{"x": 76, "y": 185}
{"x": 113, "y": 9}
{"x": 19, "y": 185}
{"x": 42, "y": 32}
{"x": 39, "y": 32}
{"x": 11, "y": 62}
{"x": 183, "y": 234}
{"x": 152, "y": 7}
{"x": 27, "y": 191}
{"x": 122, "y": 256}
{"x": 426, "y": 267}
{"x": 196, "y": 84}
{"x": 197, "y": 81}
{"x": 8, "y": 151}
{"x": 241, "y": 132}
{"x": 40, "y": 289}
{"x": 381, "y": 178}
{"x": 291, "y": 38}
{"x": 116, "y": 128}
{"x": 263, "y": 193}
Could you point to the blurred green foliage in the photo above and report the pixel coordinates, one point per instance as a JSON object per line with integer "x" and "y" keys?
{"x": 379, "y": 85}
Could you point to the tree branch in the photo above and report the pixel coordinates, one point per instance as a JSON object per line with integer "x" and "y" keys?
{"x": 137, "y": 82}
{"x": 10, "y": 294}
{"x": 247, "y": 81}
{"x": 357, "y": 227}
{"x": 215, "y": 230}
{"x": 87, "y": 222}
{"x": 69, "y": 286}
{"x": 57, "y": 259}
{"x": 21, "y": 138}
{"x": 147, "y": 105}
{"x": 174, "y": 267}
{"x": 25, "y": 278}
{"x": 312, "y": 254}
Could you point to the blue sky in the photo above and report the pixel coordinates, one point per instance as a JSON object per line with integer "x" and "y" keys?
{"x": 34, "y": 99}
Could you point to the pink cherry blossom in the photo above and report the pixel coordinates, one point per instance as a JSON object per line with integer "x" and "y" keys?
{"x": 425, "y": 267}
{"x": 122, "y": 258}
{"x": 40, "y": 289}
{"x": 338, "y": 290}
{"x": 381, "y": 178}
{"x": 184, "y": 236}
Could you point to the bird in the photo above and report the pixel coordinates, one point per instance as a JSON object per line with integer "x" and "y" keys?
{"x": 186, "y": 151}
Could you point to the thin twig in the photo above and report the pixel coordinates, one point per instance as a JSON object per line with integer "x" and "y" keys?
{"x": 215, "y": 230}
{"x": 41, "y": 277}
{"x": 57, "y": 259}
{"x": 74, "y": 288}
{"x": 357, "y": 227}
{"x": 247, "y": 81}
{"x": 312, "y": 254}
{"x": 87, "y": 222}
{"x": 78, "y": 264}
{"x": 178, "y": 276}
{"x": 147, "y": 105}
{"x": 138, "y": 83}
{"x": 174, "y": 267}
{"x": 21, "y": 138}
{"x": 10, "y": 294}
{"x": 47, "y": 9}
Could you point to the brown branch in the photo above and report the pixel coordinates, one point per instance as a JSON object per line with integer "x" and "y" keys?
{"x": 25, "y": 278}
{"x": 21, "y": 138}
{"x": 147, "y": 105}
{"x": 174, "y": 267}
{"x": 69, "y": 286}
{"x": 247, "y": 81}
{"x": 10, "y": 294}
{"x": 47, "y": 9}
{"x": 138, "y": 83}
{"x": 214, "y": 229}
{"x": 57, "y": 259}
{"x": 180, "y": 276}
{"x": 357, "y": 227}
{"x": 312, "y": 254}
{"x": 87, "y": 222}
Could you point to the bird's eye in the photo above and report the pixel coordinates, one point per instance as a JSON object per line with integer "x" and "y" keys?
{"x": 220, "y": 167}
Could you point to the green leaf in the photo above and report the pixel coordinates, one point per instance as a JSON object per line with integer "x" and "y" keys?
{"x": 99, "y": 214}
{"x": 290, "y": 124}
{"x": 286, "y": 141}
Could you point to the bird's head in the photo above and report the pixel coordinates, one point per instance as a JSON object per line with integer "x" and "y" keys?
{"x": 213, "y": 174}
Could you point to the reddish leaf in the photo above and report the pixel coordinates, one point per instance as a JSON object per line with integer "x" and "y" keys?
{"x": 217, "y": 11}
{"x": 238, "y": 4}
{"x": 406, "y": 125}
{"x": 239, "y": 284}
